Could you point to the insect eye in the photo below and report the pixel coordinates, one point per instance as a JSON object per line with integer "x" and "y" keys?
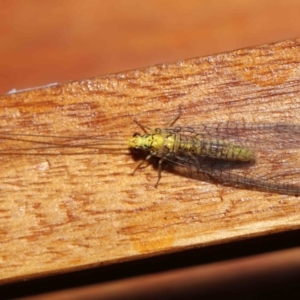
{"x": 136, "y": 134}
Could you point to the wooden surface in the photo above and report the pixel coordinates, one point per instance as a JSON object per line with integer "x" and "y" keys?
{"x": 63, "y": 212}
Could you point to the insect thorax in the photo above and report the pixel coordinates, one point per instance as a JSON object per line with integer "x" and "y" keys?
{"x": 154, "y": 142}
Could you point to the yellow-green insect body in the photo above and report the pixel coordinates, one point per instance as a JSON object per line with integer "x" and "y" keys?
{"x": 161, "y": 143}
{"x": 252, "y": 155}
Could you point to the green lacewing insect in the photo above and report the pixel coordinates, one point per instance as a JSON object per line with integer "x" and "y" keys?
{"x": 251, "y": 155}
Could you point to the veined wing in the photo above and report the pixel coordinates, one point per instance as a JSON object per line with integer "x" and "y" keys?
{"x": 252, "y": 135}
{"x": 272, "y": 171}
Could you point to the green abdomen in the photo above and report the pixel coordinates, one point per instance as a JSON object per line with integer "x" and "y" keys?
{"x": 220, "y": 149}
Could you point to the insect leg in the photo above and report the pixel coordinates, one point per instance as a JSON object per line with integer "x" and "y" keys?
{"x": 148, "y": 129}
{"x": 142, "y": 162}
{"x": 175, "y": 118}
{"x": 145, "y": 128}
{"x": 159, "y": 171}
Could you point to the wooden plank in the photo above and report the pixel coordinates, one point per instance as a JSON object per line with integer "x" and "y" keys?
{"x": 264, "y": 276}
{"x": 61, "y": 212}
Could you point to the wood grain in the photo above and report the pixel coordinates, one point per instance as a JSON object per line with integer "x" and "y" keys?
{"x": 62, "y": 211}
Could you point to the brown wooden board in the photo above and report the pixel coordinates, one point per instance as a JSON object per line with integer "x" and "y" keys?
{"x": 66, "y": 209}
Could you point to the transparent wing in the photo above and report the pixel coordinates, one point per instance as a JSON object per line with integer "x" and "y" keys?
{"x": 252, "y": 135}
{"x": 276, "y": 167}
{"x": 272, "y": 171}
